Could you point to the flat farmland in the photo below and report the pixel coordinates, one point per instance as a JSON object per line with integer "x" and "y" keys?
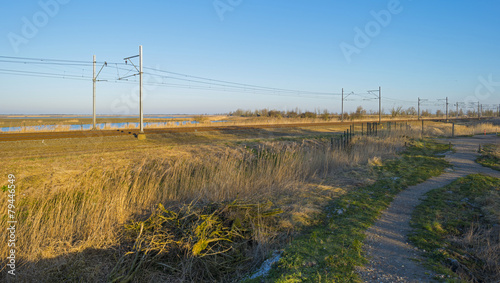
{"x": 242, "y": 193}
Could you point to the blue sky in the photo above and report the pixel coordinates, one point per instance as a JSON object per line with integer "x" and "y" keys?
{"x": 428, "y": 49}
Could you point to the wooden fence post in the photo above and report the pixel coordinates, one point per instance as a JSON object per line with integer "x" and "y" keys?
{"x": 422, "y": 128}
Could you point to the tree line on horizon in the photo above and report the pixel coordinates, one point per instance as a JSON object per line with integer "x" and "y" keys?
{"x": 359, "y": 113}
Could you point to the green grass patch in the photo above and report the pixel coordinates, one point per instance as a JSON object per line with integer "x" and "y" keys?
{"x": 329, "y": 252}
{"x": 449, "y": 213}
{"x": 490, "y": 157}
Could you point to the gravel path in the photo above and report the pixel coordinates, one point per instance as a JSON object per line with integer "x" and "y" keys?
{"x": 390, "y": 255}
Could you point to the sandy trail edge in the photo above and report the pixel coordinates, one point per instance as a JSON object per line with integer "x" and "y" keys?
{"x": 386, "y": 244}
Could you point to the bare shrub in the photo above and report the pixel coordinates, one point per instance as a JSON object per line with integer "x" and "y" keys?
{"x": 483, "y": 247}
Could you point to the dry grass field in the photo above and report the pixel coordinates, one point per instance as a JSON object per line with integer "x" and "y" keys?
{"x": 60, "y": 124}
{"x": 86, "y": 208}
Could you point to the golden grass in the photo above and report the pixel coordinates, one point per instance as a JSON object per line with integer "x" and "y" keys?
{"x": 101, "y": 190}
{"x": 472, "y": 128}
{"x": 90, "y": 208}
{"x": 58, "y": 124}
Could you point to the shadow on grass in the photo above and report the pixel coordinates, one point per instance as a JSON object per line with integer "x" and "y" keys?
{"x": 89, "y": 265}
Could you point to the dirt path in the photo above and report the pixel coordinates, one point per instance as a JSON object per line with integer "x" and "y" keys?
{"x": 390, "y": 255}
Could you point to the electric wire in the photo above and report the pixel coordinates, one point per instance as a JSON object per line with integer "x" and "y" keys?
{"x": 167, "y": 79}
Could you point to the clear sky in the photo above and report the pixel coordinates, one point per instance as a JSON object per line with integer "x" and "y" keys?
{"x": 428, "y": 49}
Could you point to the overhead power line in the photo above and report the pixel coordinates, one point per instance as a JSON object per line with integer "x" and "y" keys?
{"x": 44, "y": 59}
{"x": 193, "y": 82}
{"x": 46, "y": 63}
{"x": 81, "y": 71}
{"x": 44, "y": 74}
{"x": 231, "y": 84}
{"x": 52, "y": 60}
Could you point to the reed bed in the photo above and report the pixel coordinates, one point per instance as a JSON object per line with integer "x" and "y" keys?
{"x": 445, "y": 129}
{"x": 94, "y": 209}
{"x": 430, "y": 129}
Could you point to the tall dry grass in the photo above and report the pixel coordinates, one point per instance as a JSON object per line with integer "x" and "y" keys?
{"x": 91, "y": 211}
{"x": 86, "y": 210}
{"x": 482, "y": 246}
{"x": 431, "y": 128}
{"x": 436, "y": 129}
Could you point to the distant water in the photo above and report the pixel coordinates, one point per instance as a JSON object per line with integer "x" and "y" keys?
{"x": 124, "y": 125}
{"x": 99, "y": 117}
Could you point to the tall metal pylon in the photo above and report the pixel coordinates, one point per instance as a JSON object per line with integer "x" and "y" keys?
{"x": 141, "y": 134}
{"x": 94, "y": 80}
